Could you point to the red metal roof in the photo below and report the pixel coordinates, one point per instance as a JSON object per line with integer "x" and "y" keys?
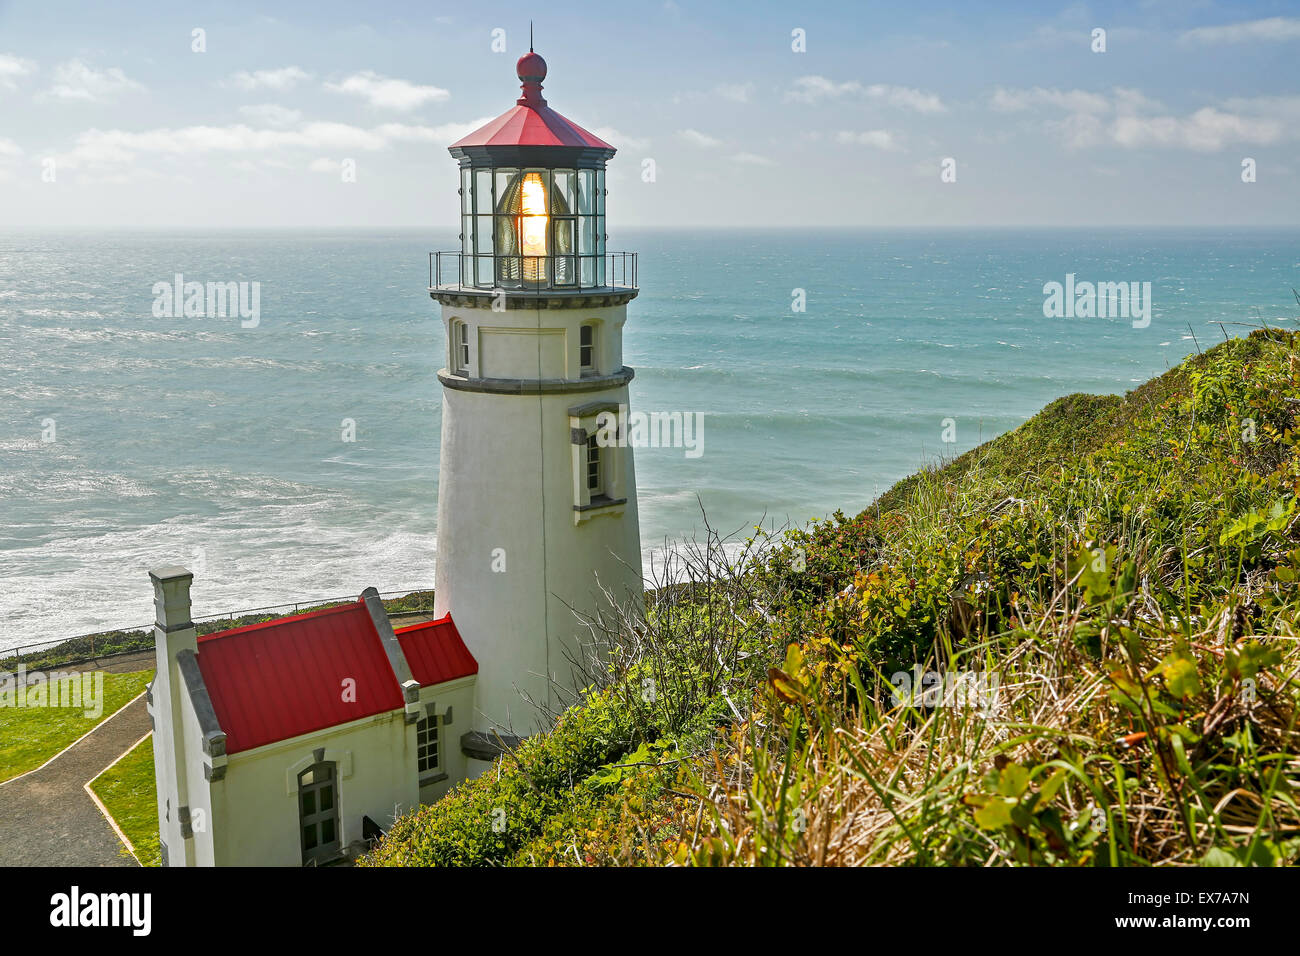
{"x": 436, "y": 652}
{"x": 284, "y": 678}
{"x": 532, "y": 126}
{"x": 531, "y": 122}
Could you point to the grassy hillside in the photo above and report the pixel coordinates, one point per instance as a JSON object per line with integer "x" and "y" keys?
{"x": 1107, "y": 597}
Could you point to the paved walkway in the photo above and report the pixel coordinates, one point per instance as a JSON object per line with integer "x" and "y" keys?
{"x": 47, "y": 818}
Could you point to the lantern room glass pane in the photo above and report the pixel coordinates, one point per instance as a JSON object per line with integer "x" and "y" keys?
{"x": 466, "y": 195}
{"x": 466, "y": 235}
{"x": 586, "y": 192}
{"x": 600, "y": 192}
{"x": 566, "y": 188}
{"x": 483, "y": 236}
{"x": 483, "y": 191}
{"x": 504, "y": 176}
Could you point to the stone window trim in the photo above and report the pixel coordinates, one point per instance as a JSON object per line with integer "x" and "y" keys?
{"x": 460, "y": 353}
{"x": 342, "y": 760}
{"x": 608, "y": 498}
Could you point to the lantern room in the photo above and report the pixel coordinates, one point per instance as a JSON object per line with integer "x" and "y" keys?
{"x": 532, "y": 198}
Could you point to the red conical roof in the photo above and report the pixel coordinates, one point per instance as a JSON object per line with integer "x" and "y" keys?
{"x": 531, "y": 122}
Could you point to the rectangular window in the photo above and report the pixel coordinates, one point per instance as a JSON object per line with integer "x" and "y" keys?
{"x": 426, "y": 739}
{"x": 587, "y": 347}
{"x": 593, "y": 466}
{"x": 462, "y": 348}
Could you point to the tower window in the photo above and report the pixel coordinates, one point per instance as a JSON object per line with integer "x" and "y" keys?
{"x": 460, "y": 348}
{"x": 593, "y": 467}
{"x": 587, "y": 348}
{"x": 426, "y": 739}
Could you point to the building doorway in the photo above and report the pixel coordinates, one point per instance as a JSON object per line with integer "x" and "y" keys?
{"x": 318, "y": 813}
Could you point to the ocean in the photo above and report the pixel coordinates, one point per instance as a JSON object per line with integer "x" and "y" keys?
{"x": 129, "y": 441}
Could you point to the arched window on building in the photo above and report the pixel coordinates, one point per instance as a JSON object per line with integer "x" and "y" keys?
{"x": 318, "y": 813}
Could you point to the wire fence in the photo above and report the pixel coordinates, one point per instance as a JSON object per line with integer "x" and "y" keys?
{"x": 123, "y": 640}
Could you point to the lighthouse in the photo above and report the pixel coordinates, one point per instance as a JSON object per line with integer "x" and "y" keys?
{"x": 537, "y": 508}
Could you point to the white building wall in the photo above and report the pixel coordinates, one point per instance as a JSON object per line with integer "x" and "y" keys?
{"x": 458, "y": 697}
{"x": 256, "y": 812}
{"x": 201, "y": 852}
{"x": 173, "y": 633}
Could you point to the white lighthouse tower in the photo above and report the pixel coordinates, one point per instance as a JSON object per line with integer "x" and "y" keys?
{"x": 537, "y": 515}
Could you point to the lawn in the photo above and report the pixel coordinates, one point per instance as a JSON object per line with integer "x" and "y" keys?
{"x": 29, "y": 736}
{"x": 127, "y": 790}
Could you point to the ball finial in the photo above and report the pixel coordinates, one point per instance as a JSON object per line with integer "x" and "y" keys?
{"x": 531, "y": 68}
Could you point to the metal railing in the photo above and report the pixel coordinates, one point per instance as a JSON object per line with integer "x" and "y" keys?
{"x": 22, "y": 650}
{"x": 462, "y": 272}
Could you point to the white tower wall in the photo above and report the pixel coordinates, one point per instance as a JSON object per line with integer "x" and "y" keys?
{"x": 517, "y": 528}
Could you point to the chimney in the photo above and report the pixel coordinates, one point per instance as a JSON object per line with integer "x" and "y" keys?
{"x": 173, "y": 633}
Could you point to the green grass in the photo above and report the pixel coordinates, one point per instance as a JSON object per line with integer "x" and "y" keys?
{"x": 31, "y": 736}
{"x": 127, "y": 790}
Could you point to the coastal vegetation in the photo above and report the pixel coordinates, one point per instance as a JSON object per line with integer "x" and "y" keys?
{"x": 1074, "y": 645}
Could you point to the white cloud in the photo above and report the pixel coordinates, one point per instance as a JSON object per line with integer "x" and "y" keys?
{"x": 1137, "y": 121}
{"x": 12, "y": 68}
{"x": 285, "y": 78}
{"x": 696, "y": 138}
{"x": 877, "y": 138}
{"x": 324, "y": 165}
{"x": 9, "y": 149}
{"x": 1284, "y": 109}
{"x": 271, "y": 114}
{"x": 75, "y": 81}
{"x": 735, "y": 92}
{"x": 752, "y": 159}
{"x": 387, "y": 93}
{"x": 1272, "y": 28}
{"x": 1076, "y": 101}
{"x": 621, "y": 140}
{"x": 905, "y": 97}
{"x": 1206, "y": 130}
{"x": 812, "y": 89}
{"x": 108, "y": 147}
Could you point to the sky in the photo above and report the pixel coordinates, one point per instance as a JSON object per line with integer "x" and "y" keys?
{"x": 758, "y": 115}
